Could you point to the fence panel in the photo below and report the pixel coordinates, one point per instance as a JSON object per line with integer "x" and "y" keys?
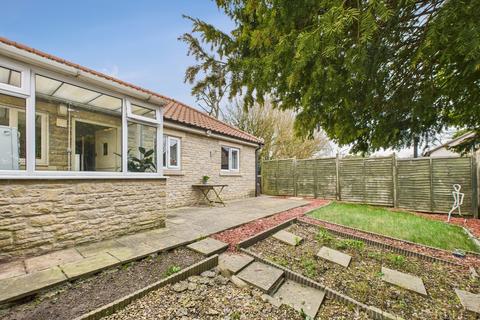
{"x": 352, "y": 180}
{"x": 379, "y": 181}
{"x": 413, "y": 184}
{"x": 305, "y": 178}
{"x": 286, "y": 177}
{"x": 326, "y": 178}
{"x": 449, "y": 171}
{"x": 269, "y": 177}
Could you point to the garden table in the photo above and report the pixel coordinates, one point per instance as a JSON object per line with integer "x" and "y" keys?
{"x": 215, "y": 188}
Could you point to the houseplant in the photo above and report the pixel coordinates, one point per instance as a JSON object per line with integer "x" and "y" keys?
{"x": 205, "y": 179}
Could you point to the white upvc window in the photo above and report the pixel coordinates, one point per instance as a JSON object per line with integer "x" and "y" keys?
{"x": 230, "y": 159}
{"x": 143, "y": 112}
{"x": 171, "y": 152}
{"x": 14, "y": 77}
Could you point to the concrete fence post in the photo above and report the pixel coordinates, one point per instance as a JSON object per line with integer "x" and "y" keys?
{"x": 337, "y": 172}
{"x": 394, "y": 180}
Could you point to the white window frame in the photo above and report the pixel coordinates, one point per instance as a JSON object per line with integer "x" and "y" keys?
{"x": 230, "y": 151}
{"x": 168, "y": 165}
{"x": 27, "y": 92}
{"x": 24, "y": 88}
{"x": 131, "y": 115}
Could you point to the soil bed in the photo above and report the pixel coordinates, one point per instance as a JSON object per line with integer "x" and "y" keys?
{"x": 202, "y": 297}
{"x": 362, "y": 279}
{"x": 77, "y": 298}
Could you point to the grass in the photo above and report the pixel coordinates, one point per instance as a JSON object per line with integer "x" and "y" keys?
{"x": 402, "y": 225}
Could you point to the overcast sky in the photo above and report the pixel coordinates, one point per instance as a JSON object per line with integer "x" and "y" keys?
{"x": 135, "y": 41}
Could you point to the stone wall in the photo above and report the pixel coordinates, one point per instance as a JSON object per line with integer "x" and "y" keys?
{"x": 37, "y": 216}
{"x": 200, "y": 155}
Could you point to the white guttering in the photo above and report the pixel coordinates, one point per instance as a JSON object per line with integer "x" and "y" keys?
{"x": 207, "y": 133}
{"x": 35, "y": 59}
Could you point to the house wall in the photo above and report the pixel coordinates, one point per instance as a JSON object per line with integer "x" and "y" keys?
{"x": 38, "y": 216}
{"x": 200, "y": 155}
{"x": 443, "y": 152}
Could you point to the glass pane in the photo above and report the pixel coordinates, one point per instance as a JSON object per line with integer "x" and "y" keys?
{"x": 10, "y": 77}
{"x": 144, "y": 112}
{"x": 164, "y": 151}
{"x": 173, "y": 152}
{"x": 234, "y": 159}
{"x": 142, "y": 153}
{"x": 84, "y": 132}
{"x": 12, "y": 133}
{"x": 224, "y": 165}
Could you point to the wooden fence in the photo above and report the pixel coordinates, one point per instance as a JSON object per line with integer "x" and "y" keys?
{"x": 421, "y": 184}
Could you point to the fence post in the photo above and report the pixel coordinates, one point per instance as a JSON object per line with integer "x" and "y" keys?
{"x": 431, "y": 184}
{"x": 394, "y": 180}
{"x": 337, "y": 172}
{"x": 315, "y": 179}
{"x": 364, "y": 176}
{"x": 276, "y": 178}
{"x": 475, "y": 172}
{"x": 294, "y": 168}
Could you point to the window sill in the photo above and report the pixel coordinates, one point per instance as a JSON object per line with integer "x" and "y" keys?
{"x": 230, "y": 174}
{"x": 170, "y": 172}
{"x": 24, "y": 176}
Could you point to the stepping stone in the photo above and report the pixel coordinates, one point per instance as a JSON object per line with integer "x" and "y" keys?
{"x": 470, "y": 301}
{"x": 262, "y": 276}
{"x": 300, "y": 297}
{"x": 88, "y": 265}
{"x": 22, "y": 286}
{"x": 232, "y": 263}
{"x": 208, "y": 246}
{"x": 404, "y": 280}
{"x": 334, "y": 256}
{"x": 287, "y": 237}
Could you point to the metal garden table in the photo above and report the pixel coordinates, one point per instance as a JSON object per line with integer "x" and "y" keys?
{"x": 215, "y": 188}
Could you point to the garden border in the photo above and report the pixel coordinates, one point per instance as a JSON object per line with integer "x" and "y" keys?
{"x": 195, "y": 269}
{"x": 476, "y": 254}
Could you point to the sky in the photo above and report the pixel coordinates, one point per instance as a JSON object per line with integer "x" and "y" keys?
{"x": 135, "y": 41}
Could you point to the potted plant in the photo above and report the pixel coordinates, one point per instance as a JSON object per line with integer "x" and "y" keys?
{"x": 205, "y": 179}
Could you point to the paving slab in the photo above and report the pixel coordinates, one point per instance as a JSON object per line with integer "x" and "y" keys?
{"x": 127, "y": 254}
{"x": 208, "y": 246}
{"x": 300, "y": 297}
{"x": 288, "y": 238}
{"x": 12, "y": 269}
{"x": 89, "y": 265}
{"x": 163, "y": 243}
{"x": 262, "y": 276}
{"x": 22, "y": 286}
{"x": 96, "y": 248}
{"x": 404, "y": 280}
{"x": 470, "y": 301}
{"x": 334, "y": 256}
{"x": 233, "y": 263}
{"x": 52, "y": 259}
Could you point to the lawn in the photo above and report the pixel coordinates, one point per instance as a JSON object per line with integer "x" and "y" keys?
{"x": 402, "y": 225}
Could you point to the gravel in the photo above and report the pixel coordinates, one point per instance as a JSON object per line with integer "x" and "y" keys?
{"x": 362, "y": 279}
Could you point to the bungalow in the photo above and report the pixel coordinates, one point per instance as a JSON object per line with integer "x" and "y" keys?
{"x": 86, "y": 157}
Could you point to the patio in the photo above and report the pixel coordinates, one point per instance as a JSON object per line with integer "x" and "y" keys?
{"x": 183, "y": 225}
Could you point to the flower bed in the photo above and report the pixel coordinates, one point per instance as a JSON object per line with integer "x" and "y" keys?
{"x": 362, "y": 280}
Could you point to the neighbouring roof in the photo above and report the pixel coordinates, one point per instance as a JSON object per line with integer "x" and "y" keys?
{"x": 181, "y": 113}
{"x": 174, "y": 110}
{"x": 450, "y": 143}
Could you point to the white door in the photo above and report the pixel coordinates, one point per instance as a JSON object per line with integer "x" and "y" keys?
{"x": 107, "y": 150}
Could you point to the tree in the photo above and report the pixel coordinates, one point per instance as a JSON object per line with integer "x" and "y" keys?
{"x": 374, "y": 74}
{"x": 276, "y": 128}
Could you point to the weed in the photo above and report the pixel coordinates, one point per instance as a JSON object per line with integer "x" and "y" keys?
{"x": 172, "y": 270}
{"x": 375, "y": 255}
{"x": 350, "y": 244}
{"x": 397, "y": 260}
{"x": 310, "y": 267}
{"x": 323, "y": 235}
{"x": 298, "y": 240}
{"x": 280, "y": 260}
{"x": 235, "y": 315}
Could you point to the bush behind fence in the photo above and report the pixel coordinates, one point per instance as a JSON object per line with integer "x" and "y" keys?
{"x": 422, "y": 184}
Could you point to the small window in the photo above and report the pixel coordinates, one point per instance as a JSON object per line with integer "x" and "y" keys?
{"x": 171, "y": 152}
{"x": 146, "y": 113}
{"x": 230, "y": 159}
{"x": 10, "y": 77}
{"x": 14, "y": 77}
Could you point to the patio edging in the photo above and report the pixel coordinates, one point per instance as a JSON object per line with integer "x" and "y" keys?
{"x": 388, "y": 237}
{"x": 195, "y": 269}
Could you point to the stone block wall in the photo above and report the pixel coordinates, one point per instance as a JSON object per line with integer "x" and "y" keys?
{"x": 37, "y": 216}
{"x": 200, "y": 155}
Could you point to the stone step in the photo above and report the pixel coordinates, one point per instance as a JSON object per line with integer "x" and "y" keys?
{"x": 231, "y": 264}
{"x": 262, "y": 276}
{"x": 470, "y": 301}
{"x": 334, "y": 256}
{"x": 208, "y": 246}
{"x": 404, "y": 280}
{"x": 299, "y": 297}
{"x": 287, "y": 237}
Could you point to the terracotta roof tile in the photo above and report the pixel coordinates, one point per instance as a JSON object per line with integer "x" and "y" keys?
{"x": 174, "y": 110}
{"x": 181, "y": 113}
